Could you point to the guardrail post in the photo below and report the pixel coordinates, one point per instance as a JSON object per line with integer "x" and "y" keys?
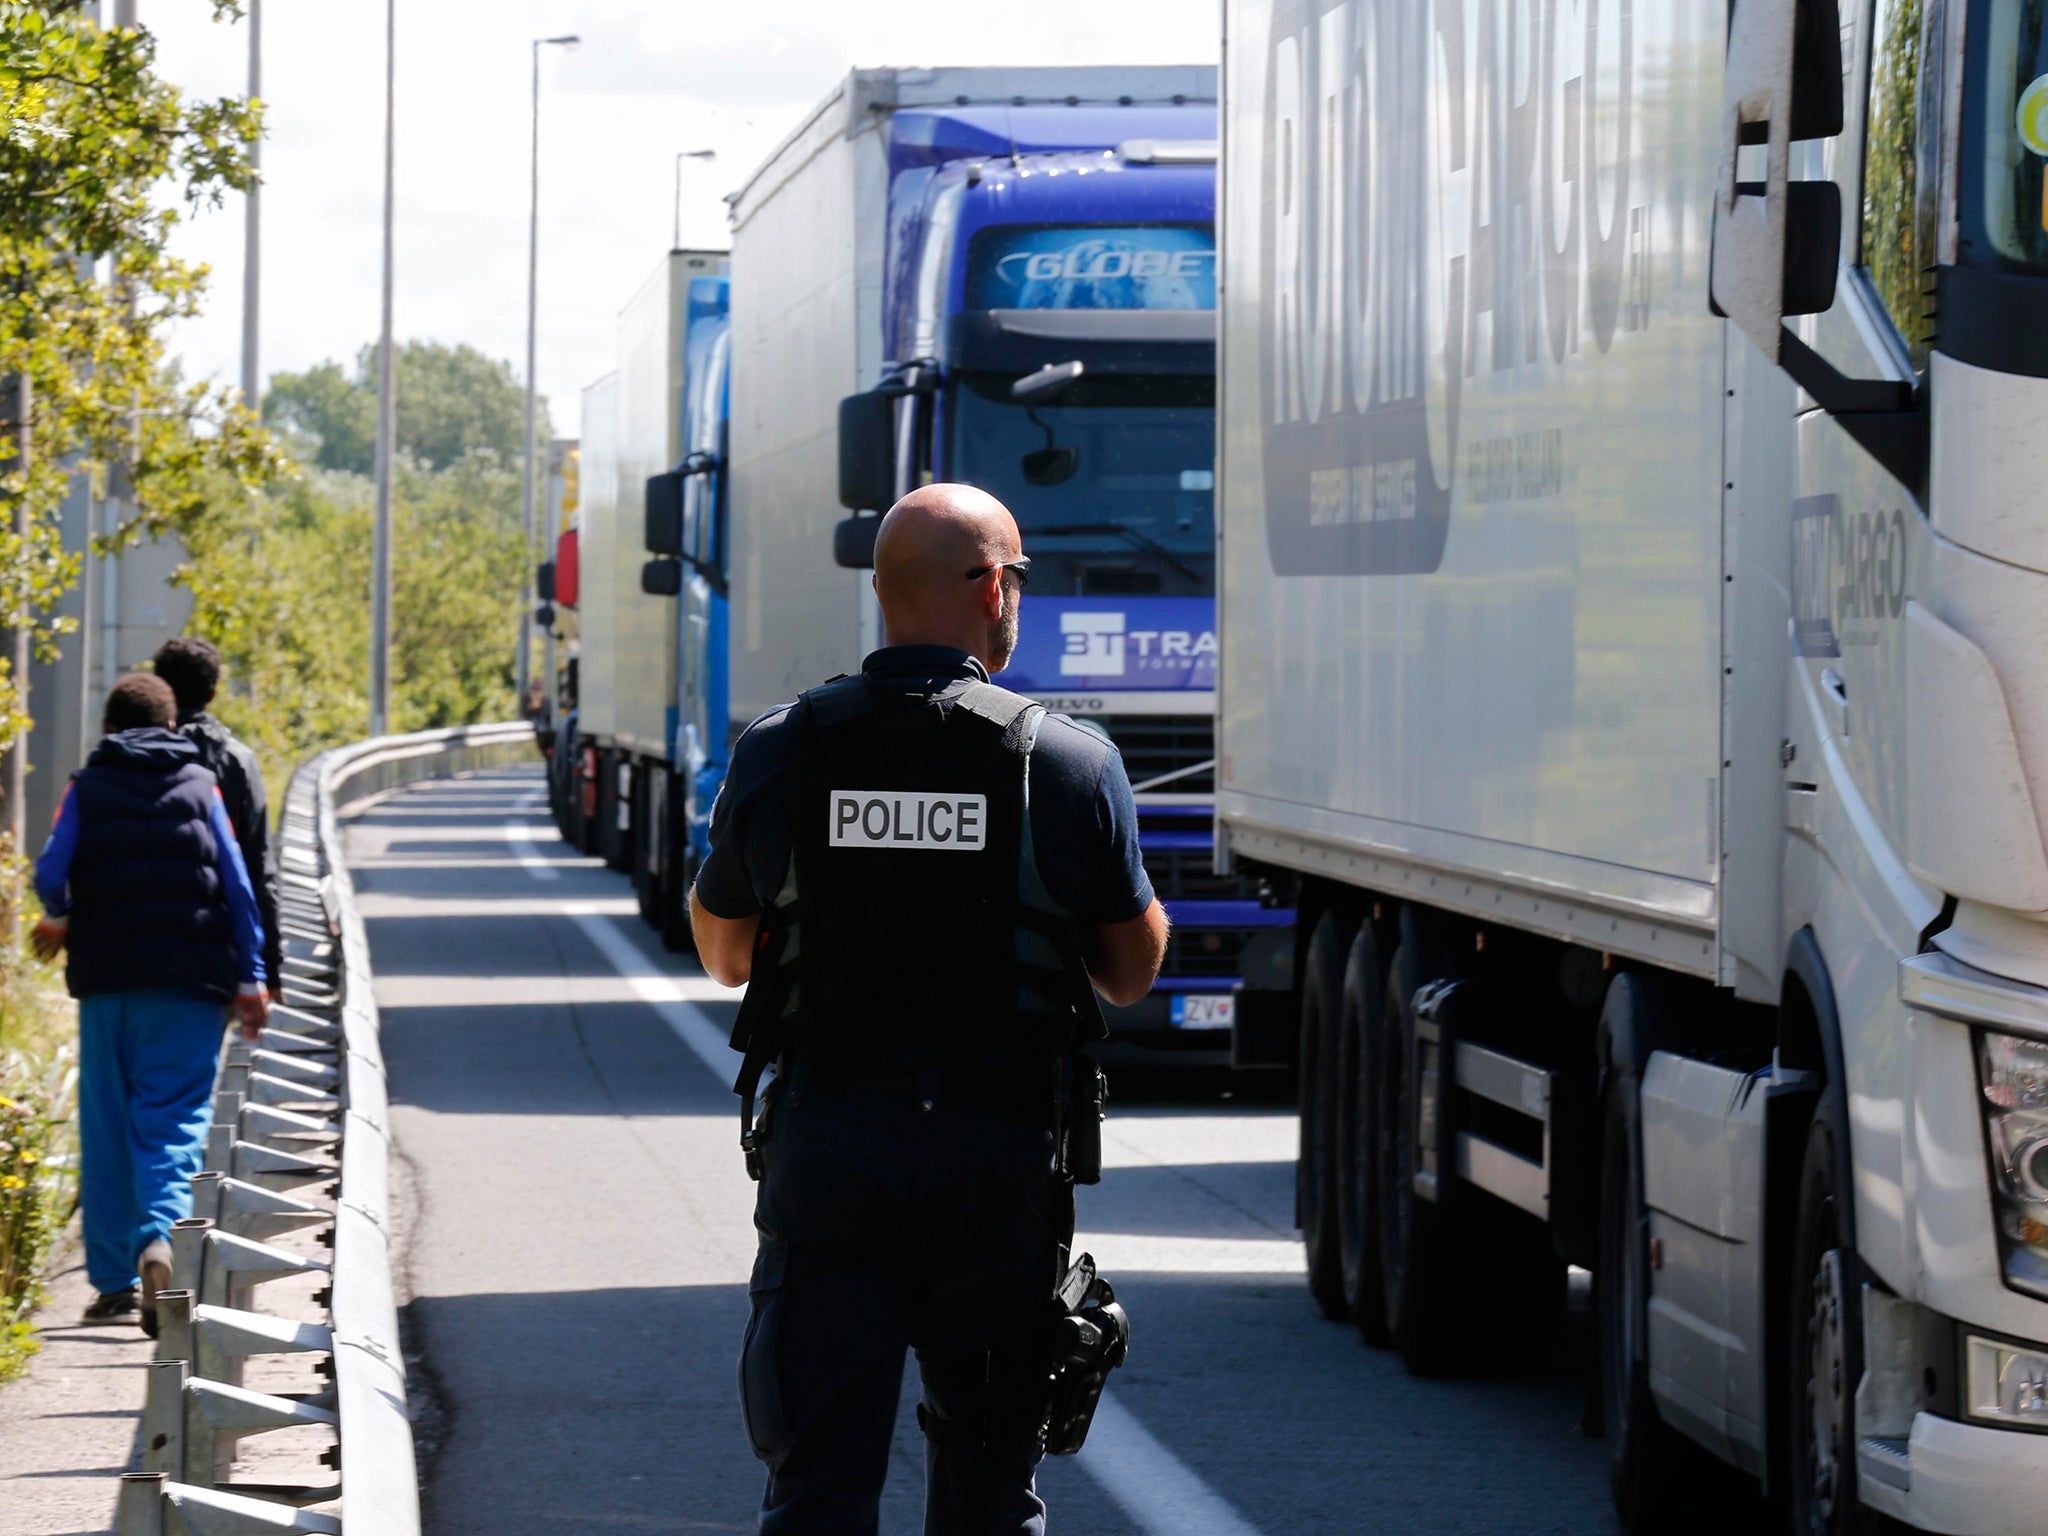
{"x": 163, "y": 1418}
{"x": 174, "y": 1325}
{"x": 140, "y": 1508}
{"x": 188, "y": 1253}
{"x": 206, "y": 1194}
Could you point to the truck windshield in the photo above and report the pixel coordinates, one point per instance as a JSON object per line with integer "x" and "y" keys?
{"x": 1143, "y": 461}
{"x": 2005, "y": 164}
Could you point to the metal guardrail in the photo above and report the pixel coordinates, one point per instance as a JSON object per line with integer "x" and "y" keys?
{"x": 299, "y": 1145}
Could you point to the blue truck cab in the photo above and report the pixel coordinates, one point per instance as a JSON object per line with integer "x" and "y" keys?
{"x": 702, "y": 746}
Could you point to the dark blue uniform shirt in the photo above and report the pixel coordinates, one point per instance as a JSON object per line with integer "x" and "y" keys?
{"x": 1084, "y": 824}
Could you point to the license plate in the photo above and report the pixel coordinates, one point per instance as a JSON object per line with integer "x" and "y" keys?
{"x": 1203, "y": 1010}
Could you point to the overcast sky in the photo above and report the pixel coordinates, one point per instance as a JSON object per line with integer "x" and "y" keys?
{"x": 649, "y": 80}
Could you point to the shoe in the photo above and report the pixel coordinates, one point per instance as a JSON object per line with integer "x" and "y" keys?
{"x": 155, "y": 1268}
{"x": 111, "y": 1307}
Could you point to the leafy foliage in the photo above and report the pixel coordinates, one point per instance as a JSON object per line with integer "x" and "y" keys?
{"x": 37, "y": 1141}
{"x": 280, "y": 580}
{"x": 88, "y": 137}
{"x": 452, "y": 401}
{"x": 1898, "y": 210}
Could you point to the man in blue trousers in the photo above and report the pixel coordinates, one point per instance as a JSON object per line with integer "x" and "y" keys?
{"x": 144, "y": 884}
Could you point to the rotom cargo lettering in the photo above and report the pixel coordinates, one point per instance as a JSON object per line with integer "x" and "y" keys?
{"x": 895, "y": 819}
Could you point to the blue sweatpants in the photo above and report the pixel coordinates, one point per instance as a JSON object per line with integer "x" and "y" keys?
{"x": 145, "y": 1090}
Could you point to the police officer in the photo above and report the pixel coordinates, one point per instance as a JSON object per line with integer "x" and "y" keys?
{"x": 922, "y": 874}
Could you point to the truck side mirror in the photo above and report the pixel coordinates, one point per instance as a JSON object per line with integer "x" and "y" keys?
{"x": 853, "y": 542}
{"x": 544, "y": 581}
{"x": 664, "y": 527}
{"x": 867, "y": 451}
{"x": 661, "y": 578}
{"x": 1776, "y": 242}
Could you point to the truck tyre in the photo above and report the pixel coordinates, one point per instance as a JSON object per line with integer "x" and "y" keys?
{"x": 1424, "y": 1275}
{"x": 679, "y": 873}
{"x": 1364, "y": 998}
{"x": 649, "y": 871}
{"x": 1315, "y": 1188}
{"x": 1646, "y": 1458}
{"x": 613, "y": 843}
{"x": 1825, "y": 1337}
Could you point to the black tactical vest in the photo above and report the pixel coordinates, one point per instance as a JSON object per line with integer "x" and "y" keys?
{"x": 913, "y": 917}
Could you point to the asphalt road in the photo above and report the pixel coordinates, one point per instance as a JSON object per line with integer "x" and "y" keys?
{"x": 580, "y": 1237}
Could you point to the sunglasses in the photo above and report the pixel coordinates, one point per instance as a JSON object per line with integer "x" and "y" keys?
{"x": 1021, "y": 565}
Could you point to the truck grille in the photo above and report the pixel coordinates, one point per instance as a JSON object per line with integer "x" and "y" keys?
{"x": 1185, "y": 874}
{"x": 1153, "y": 745}
{"x": 1188, "y": 953}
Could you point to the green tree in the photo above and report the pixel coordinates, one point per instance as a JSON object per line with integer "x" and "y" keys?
{"x": 326, "y": 417}
{"x": 280, "y": 580}
{"x": 452, "y": 401}
{"x": 89, "y": 138}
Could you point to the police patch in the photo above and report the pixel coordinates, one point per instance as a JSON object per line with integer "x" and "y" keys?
{"x": 862, "y": 818}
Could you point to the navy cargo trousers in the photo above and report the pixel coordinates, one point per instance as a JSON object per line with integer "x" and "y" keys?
{"x": 889, "y": 1223}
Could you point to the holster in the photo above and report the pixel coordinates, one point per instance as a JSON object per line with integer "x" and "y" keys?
{"x": 1080, "y": 1148}
{"x": 1088, "y": 1337}
{"x": 758, "y": 1035}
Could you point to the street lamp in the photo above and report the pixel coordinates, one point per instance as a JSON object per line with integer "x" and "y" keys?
{"x": 528, "y": 486}
{"x": 252, "y": 226}
{"x": 387, "y": 412}
{"x": 676, "y": 244}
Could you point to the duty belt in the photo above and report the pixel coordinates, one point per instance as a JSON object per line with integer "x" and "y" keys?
{"x": 1024, "y": 1093}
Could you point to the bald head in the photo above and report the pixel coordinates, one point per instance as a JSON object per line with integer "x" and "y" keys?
{"x": 923, "y": 551}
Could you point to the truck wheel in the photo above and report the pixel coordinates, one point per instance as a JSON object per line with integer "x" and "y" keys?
{"x": 1826, "y": 1341}
{"x": 1645, "y": 1456}
{"x": 680, "y": 868}
{"x": 649, "y": 869}
{"x": 1364, "y": 998}
{"x": 1315, "y": 1188}
{"x": 1423, "y": 1279}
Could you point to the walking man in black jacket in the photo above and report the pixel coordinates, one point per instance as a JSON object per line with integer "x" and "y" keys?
{"x": 192, "y": 667}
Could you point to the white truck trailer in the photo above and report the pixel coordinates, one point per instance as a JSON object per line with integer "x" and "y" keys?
{"x": 1634, "y": 635}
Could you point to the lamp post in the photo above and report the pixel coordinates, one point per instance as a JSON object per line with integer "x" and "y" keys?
{"x": 387, "y": 415}
{"x": 252, "y": 230}
{"x": 676, "y": 244}
{"x": 528, "y": 487}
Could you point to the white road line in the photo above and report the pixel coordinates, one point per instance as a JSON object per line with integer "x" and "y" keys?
{"x": 664, "y": 993}
{"x": 1159, "y": 1492}
{"x": 1162, "y": 1496}
{"x": 526, "y": 850}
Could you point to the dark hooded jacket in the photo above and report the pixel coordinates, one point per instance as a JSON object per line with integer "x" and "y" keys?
{"x": 241, "y": 786}
{"x": 148, "y": 906}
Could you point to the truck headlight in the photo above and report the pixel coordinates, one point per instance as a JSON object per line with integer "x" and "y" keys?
{"x": 2014, "y": 1071}
{"x": 2007, "y": 1384}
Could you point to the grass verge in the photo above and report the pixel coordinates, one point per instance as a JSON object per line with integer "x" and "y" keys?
{"x": 38, "y": 1140}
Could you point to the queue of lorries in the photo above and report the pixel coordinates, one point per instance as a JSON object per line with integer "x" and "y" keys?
{"x": 1551, "y": 502}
